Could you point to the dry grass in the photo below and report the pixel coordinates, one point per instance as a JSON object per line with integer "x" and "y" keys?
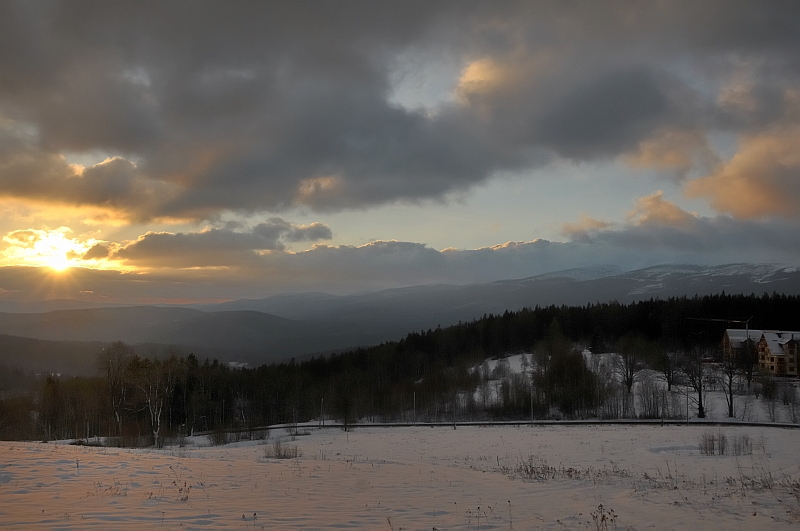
{"x": 279, "y": 450}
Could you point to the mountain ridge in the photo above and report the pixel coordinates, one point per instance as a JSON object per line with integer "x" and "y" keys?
{"x": 293, "y": 325}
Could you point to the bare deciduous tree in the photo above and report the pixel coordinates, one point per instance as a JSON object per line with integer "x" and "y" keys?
{"x": 730, "y": 377}
{"x": 694, "y": 369}
{"x": 747, "y": 360}
{"x": 667, "y": 363}
{"x": 632, "y": 350}
{"x": 154, "y": 379}
{"x": 113, "y": 363}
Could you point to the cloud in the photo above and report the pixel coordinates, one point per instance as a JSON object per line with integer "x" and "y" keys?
{"x": 207, "y": 107}
{"x": 222, "y": 264}
{"x": 116, "y": 184}
{"x": 761, "y": 181}
{"x": 584, "y": 225}
{"x": 36, "y": 247}
{"x": 213, "y": 247}
{"x": 714, "y": 240}
{"x": 309, "y": 233}
{"x": 654, "y": 210}
{"x": 605, "y": 116}
{"x": 653, "y": 223}
{"x": 98, "y": 251}
{"x": 658, "y": 231}
{"x": 674, "y": 150}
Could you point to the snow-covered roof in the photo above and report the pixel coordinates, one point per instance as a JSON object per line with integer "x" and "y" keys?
{"x": 737, "y": 336}
{"x": 777, "y": 340}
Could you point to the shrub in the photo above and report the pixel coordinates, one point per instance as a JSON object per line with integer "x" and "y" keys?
{"x": 742, "y": 445}
{"x": 708, "y": 443}
{"x": 278, "y": 450}
{"x": 717, "y": 444}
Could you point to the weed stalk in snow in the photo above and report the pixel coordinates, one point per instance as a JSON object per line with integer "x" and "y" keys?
{"x": 603, "y": 517}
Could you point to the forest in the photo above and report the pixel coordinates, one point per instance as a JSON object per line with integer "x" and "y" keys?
{"x": 439, "y": 374}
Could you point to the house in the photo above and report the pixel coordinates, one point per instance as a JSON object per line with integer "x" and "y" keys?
{"x": 733, "y": 342}
{"x": 777, "y": 352}
{"x": 777, "y": 349}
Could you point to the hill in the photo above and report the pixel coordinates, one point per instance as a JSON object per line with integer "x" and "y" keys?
{"x": 292, "y": 325}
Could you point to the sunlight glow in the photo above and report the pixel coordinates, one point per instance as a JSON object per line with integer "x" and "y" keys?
{"x": 50, "y": 248}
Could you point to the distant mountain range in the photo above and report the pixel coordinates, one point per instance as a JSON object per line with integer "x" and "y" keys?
{"x": 292, "y": 325}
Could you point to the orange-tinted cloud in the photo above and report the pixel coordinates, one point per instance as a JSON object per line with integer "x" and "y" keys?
{"x": 654, "y": 210}
{"x": 673, "y": 150}
{"x": 762, "y": 180}
{"x": 489, "y": 77}
{"x": 479, "y": 76}
{"x": 584, "y": 225}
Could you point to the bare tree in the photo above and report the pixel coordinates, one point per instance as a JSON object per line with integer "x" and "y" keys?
{"x": 485, "y": 390}
{"x": 790, "y": 400}
{"x": 769, "y": 388}
{"x": 632, "y": 349}
{"x": 694, "y": 369}
{"x": 155, "y": 381}
{"x": 747, "y": 360}
{"x": 524, "y": 365}
{"x": 730, "y": 377}
{"x": 651, "y": 398}
{"x": 113, "y": 363}
{"x": 667, "y": 363}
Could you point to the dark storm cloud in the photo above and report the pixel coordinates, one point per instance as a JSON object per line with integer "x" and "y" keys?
{"x": 609, "y": 115}
{"x": 214, "y": 106}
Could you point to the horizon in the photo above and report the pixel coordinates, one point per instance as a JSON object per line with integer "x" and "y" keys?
{"x": 590, "y": 273}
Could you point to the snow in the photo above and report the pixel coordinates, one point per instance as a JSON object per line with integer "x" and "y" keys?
{"x": 424, "y": 477}
{"x": 514, "y": 362}
{"x": 413, "y": 478}
{"x": 761, "y": 273}
{"x": 582, "y": 273}
{"x": 747, "y": 408}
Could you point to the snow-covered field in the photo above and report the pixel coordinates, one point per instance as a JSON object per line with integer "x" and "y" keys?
{"x": 417, "y": 478}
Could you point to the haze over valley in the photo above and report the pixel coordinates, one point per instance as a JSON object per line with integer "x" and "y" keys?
{"x": 278, "y": 328}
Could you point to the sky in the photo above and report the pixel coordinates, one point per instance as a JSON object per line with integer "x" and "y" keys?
{"x": 208, "y": 151}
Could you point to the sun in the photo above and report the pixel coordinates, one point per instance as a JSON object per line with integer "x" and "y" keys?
{"x": 45, "y": 248}
{"x": 56, "y": 251}
{"x": 58, "y": 262}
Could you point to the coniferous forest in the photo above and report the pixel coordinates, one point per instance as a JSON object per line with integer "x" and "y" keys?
{"x": 435, "y": 375}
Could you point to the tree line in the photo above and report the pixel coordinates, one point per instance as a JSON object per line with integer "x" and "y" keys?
{"x": 438, "y": 374}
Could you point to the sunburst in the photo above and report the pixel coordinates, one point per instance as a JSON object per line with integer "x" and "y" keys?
{"x": 48, "y": 248}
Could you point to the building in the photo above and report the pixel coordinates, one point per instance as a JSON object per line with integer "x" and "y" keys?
{"x": 733, "y": 342}
{"x": 777, "y": 349}
{"x": 777, "y": 352}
